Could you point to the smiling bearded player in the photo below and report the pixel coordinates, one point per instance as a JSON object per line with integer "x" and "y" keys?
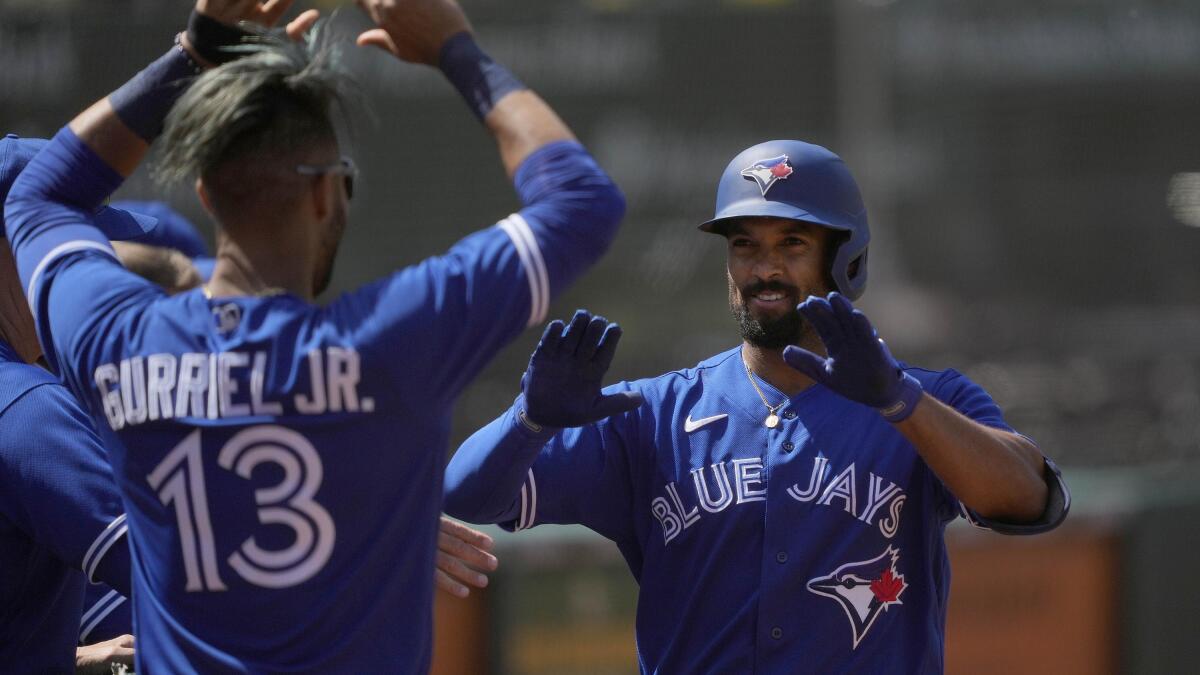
{"x": 782, "y": 504}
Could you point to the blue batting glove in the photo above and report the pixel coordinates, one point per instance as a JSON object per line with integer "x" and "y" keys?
{"x": 859, "y": 365}
{"x": 561, "y": 386}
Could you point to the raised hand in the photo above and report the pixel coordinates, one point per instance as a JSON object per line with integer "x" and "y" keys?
{"x": 462, "y": 552}
{"x": 561, "y": 386}
{"x": 413, "y": 30}
{"x": 230, "y": 12}
{"x": 859, "y": 365}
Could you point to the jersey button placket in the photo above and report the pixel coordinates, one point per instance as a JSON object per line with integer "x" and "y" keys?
{"x": 781, "y": 557}
{"x": 777, "y": 632}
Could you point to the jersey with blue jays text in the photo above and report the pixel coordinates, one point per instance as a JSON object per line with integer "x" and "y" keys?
{"x": 812, "y": 547}
{"x": 281, "y": 462}
{"x": 60, "y": 516}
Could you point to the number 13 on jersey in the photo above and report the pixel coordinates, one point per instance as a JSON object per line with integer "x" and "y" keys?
{"x": 179, "y": 482}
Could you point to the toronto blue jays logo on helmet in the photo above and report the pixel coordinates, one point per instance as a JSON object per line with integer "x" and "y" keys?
{"x": 863, "y": 589}
{"x": 767, "y": 172}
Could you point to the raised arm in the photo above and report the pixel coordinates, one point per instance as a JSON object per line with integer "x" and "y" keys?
{"x": 52, "y": 213}
{"x": 437, "y": 33}
{"x": 572, "y": 208}
{"x": 998, "y": 474}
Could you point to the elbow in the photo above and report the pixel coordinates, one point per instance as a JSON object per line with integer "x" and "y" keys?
{"x": 455, "y": 502}
{"x": 1024, "y": 501}
{"x": 609, "y": 206}
{"x": 460, "y": 496}
{"x": 455, "y": 506}
{"x": 603, "y": 212}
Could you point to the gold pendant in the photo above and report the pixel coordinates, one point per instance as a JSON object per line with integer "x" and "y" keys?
{"x": 772, "y": 421}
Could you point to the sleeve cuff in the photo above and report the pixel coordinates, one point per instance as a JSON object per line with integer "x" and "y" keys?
{"x": 1058, "y": 503}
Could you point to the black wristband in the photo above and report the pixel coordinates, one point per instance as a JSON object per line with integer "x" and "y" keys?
{"x": 212, "y": 39}
{"x": 143, "y": 102}
{"x": 481, "y": 81}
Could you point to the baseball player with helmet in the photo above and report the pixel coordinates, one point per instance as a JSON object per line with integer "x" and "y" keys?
{"x": 281, "y": 462}
{"x": 781, "y": 504}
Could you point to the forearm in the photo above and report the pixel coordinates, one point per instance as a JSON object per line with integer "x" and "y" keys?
{"x": 997, "y": 474}
{"x": 522, "y": 123}
{"x": 484, "y": 478}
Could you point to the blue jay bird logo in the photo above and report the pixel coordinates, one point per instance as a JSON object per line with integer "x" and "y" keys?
{"x": 767, "y": 172}
{"x": 863, "y": 589}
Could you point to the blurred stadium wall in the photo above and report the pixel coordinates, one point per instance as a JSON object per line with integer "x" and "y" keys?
{"x": 1032, "y": 169}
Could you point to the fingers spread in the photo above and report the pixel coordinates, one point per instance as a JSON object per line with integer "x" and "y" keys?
{"x": 377, "y": 37}
{"x": 591, "y": 338}
{"x": 806, "y": 362}
{"x": 551, "y": 337}
{"x": 269, "y": 11}
{"x": 574, "y": 334}
{"x": 615, "y": 404}
{"x": 860, "y": 326}
{"x": 842, "y": 310}
{"x": 299, "y": 26}
{"x": 608, "y": 347}
{"x": 819, "y": 314}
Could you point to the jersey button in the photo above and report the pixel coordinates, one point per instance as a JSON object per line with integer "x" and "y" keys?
{"x": 781, "y": 557}
{"x": 789, "y": 414}
{"x": 788, "y": 446}
{"x": 777, "y": 632}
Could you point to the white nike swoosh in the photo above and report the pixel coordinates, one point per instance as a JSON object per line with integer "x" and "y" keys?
{"x": 690, "y": 425}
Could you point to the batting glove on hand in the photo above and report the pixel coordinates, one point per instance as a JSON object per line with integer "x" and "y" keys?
{"x": 561, "y": 386}
{"x": 859, "y": 365}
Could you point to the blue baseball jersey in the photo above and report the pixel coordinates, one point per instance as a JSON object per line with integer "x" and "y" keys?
{"x": 281, "y": 462}
{"x": 813, "y": 547}
{"x": 106, "y": 614}
{"x": 60, "y": 517}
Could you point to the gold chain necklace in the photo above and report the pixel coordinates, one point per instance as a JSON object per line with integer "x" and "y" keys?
{"x": 772, "y": 420}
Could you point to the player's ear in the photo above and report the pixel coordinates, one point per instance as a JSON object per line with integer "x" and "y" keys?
{"x": 321, "y": 192}
{"x": 202, "y": 193}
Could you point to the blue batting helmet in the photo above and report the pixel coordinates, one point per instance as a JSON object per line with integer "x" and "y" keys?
{"x": 799, "y": 181}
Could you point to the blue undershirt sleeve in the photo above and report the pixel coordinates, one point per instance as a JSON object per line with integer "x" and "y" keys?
{"x": 48, "y": 217}
{"x": 507, "y": 475}
{"x": 486, "y": 475}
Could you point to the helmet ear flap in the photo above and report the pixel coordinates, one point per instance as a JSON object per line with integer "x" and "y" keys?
{"x": 800, "y": 181}
{"x": 849, "y": 268}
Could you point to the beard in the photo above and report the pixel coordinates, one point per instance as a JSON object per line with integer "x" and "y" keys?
{"x": 768, "y": 332}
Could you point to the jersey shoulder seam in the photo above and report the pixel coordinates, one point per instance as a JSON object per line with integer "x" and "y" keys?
{"x": 21, "y": 396}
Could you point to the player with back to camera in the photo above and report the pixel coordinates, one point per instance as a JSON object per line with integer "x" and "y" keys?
{"x": 781, "y": 504}
{"x": 61, "y": 519}
{"x": 281, "y": 462}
